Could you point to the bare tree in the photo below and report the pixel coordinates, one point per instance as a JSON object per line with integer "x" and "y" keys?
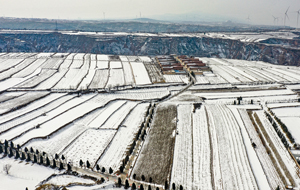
{"x": 6, "y": 168}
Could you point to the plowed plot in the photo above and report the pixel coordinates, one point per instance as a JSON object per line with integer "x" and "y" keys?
{"x": 100, "y": 79}
{"x": 156, "y": 156}
{"x": 154, "y": 73}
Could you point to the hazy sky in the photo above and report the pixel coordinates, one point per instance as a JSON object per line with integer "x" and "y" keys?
{"x": 260, "y": 11}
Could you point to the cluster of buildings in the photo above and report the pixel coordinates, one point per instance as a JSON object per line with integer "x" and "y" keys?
{"x": 172, "y": 64}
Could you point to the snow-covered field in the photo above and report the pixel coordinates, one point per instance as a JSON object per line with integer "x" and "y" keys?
{"x": 99, "y": 79}
{"x": 116, "y": 150}
{"x": 90, "y": 107}
{"x": 289, "y": 114}
{"x": 116, "y": 78}
{"x": 23, "y": 174}
{"x": 89, "y": 146}
{"x": 140, "y": 73}
{"x": 191, "y": 165}
{"x": 72, "y": 79}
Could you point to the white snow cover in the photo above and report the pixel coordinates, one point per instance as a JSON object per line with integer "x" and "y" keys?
{"x": 65, "y": 136}
{"x": 8, "y": 63}
{"x": 76, "y": 64}
{"x": 23, "y": 175}
{"x": 115, "y": 152}
{"x": 246, "y": 94}
{"x": 102, "y": 58}
{"x": 140, "y": 73}
{"x": 116, "y": 78}
{"x": 21, "y": 101}
{"x": 68, "y": 179}
{"x": 256, "y": 166}
{"x": 30, "y": 69}
{"x": 280, "y": 105}
{"x": 104, "y": 116}
{"x": 100, "y": 79}
{"x": 66, "y": 64}
{"x": 75, "y": 109}
{"x": 52, "y": 63}
{"x": 72, "y": 79}
{"x": 114, "y": 121}
{"x": 264, "y": 158}
{"x": 53, "y": 80}
{"x": 123, "y": 58}
{"x": 145, "y": 59}
{"x": 29, "y": 121}
{"x": 292, "y": 124}
{"x": 173, "y": 79}
{"x": 89, "y": 146}
{"x": 129, "y": 79}
{"x": 102, "y": 65}
{"x": 37, "y": 79}
{"x": 6, "y": 84}
{"x": 287, "y": 112}
{"x": 191, "y": 165}
{"x": 287, "y": 160}
{"x": 115, "y": 65}
{"x": 85, "y": 83}
{"x": 231, "y": 166}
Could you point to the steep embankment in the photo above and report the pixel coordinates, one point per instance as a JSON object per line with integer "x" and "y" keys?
{"x": 155, "y": 45}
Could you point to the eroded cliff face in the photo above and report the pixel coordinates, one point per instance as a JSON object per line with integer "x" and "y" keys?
{"x": 145, "y": 45}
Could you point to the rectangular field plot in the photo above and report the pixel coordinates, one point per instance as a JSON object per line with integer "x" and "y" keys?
{"x": 116, "y": 78}
{"x": 102, "y": 58}
{"x": 100, "y": 79}
{"x": 89, "y": 146}
{"x": 140, "y": 73}
{"x": 115, "y": 65}
{"x": 102, "y": 65}
{"x": 72, "y": 79}
{"x": 231, "y": 168}
{"x": 293, "y": 124}
{"x": 53, "y": 63}
{"x": 173, "y": 79}
{"x": 287, "y": 112}
{"x": 191, "y": 165}
{"x": 9, "y": 95}
{"x": 129, "y": 80}
{"x": 123, "y": 58}
{"x": 155, "y": 159}
{"x": 133, "y": 58}
{"x": 260, "y": 93}
{"x": 86, "y": 62}
{"x": 30, "y": 107}
{"x": 116, "y": 151}
{"x": 154, "y": 73}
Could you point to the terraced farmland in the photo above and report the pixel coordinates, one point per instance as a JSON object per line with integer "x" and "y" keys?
{"x": 230, "y": 128}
